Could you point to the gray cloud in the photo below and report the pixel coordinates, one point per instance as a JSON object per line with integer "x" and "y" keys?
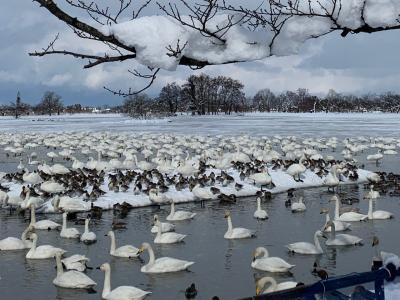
{"x": 356, "y": 64}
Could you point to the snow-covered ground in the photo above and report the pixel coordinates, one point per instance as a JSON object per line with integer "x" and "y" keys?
{"x": 254, "y": 124}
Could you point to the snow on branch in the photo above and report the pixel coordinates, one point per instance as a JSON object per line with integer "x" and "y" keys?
{"x": 211, "y": 32}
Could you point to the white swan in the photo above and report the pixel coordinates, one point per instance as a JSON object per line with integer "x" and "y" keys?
{"x": 307, "y": 248}
{"x": 347, "y": 216}
{"x": 167, "y": 237}
{"x": 75, "y": 262}
{"x": 378, "y": 214}
{"x": 331, "y": 180}
{"x": 339, "y": 225}
{"x": 31, "y": 178}
{"x": 42, "y": 224}
{"x": 260, "y": 213}
{"x": 123, "y": 251}
{"x": 165, "y": 226}
{"x": 262, "y": 178}
{"x": 121, "y": 292}
{"x": 52, "y": 187}
{"x": 298, "y": 206}
{"x": 13, "y": 243}
{"x": 88, "y": 237}
{"x": 28, "y": 201}
{"x": 296, "y": 169}
{"x": 202, "y": 193}
{"x": 261, "y": 261}
{"x": 236, "y": 233}
{"x": 71, "y": 279}
{"x": 179, "y": 215}
{"x": 273, "y": 287}
{"x": 341, "y": 239}
{"x": 156, "y": 196}
{"x": 69, "y": 233}
{"x": 43, "y": 251}
{"x": 162, "y": 264}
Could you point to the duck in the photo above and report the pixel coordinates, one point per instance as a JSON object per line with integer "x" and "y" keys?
{"x": 69, "y": 233}
{"x": 43, "y": 251}
{"x": 238, "y": 232}
{"x": 162, "y": 264}
{"x": 191, "y": 291}
{"x": 260, "y": 213}
{"x": 341, "y": 239}
{"x": 298, "y": 206}
{"x": 339, "y": 225}
{"x": 167, "y": 237}
{"x": 13, "y": 243}
{"x": 274, "y": 286}
{"x": 347, "y": 216}
{"x": 378, "y": 214}
{"x": 71, "y": 279}
{"x": 165, "y": 226}
{"x": 121, "y": 292}
{"x": 179, "y": 215}
{"x": 75, "y": 262}
{"x": 262, "y": 261}
{"x": 308, "y": 248}
{"x": 42, "y": 224}
{"x": 88, "y": 237}
{"x": 127, "y": 251}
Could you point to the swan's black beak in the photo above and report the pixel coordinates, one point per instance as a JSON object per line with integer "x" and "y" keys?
{"x": 324, "y": 236}
{"x": 98, "y": 268}
{"x": 254, "y": 258}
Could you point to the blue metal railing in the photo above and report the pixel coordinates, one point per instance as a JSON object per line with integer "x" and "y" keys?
{"x": 306, "y": 292}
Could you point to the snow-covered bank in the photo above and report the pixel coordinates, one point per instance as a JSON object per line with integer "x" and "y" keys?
{"x": 282, "y": 181}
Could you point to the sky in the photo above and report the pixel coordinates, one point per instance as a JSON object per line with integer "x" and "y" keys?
{"x": 362, "y": 63}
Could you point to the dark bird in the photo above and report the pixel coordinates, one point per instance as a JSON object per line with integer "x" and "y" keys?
{"x": 191, "y": 292}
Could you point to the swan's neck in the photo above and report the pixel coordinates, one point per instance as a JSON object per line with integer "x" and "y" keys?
{"x": 60, "y": 270}
{"x": 172, "y": 208}
{"x": 33, "y": 215}
{"x": 87, "y": 226}
{"x": 64, "y": 224}
{"x": 159, "y": 229}
{"x": 152, "y": 258}
{"x": 264, "y": 253}
{"x": 327, "y": 218}
{"x": 370, "y": 209}
{"x": 271, "y": 281}
{"x": 107, "y": 283}
{"x": 337, "y": 214}
{"x": 112, "y": 237}
{"x": 333, "y": 231}
{"x": 33, "y": 247}
{"x": 23, "y": 236}
{"x": 317, "y": 244}
{"x": 258, "y": 204}
{"x": 230, "y": 226}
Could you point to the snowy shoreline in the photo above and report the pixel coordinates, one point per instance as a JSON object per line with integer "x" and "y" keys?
{"x": 283, "y": 182}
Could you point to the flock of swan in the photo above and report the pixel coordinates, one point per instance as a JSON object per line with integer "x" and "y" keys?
{"x": 94, "y": 171}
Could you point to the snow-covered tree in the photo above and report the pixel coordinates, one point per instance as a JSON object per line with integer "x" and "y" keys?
{"x": 210, "y": 32}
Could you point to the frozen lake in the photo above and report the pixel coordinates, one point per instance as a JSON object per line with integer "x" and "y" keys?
{"x": 320, "y": 124}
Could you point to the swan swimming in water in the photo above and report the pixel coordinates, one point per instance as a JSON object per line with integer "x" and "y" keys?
{"x": 43, "y": 251}
{"x": 127, "y": 251}
{"x": 339, "y": 225}
{"x": 260, "y": 213}
{"x": 165, "y": 226}
{"x": 261, "y": 261}
{"x": 13, "y": 243}
{"x": 69, "y": 233}
{"x": 121, "y": 292}
{"x": 162, "y": 264}
{"x": 378, "y": 214}
{"x": 88, "y": 237}
{"x": 238, "y": 232}
{"x": 273, "y": 285}
{"x": 308, "y": 248}
{"x": 42, "y": 224}
{"x": 347, "y": 216}
{"x": 71, "y": 279}
{"x": 75, "y": 262}
{"x": 179, "y": 215}
{"x": 341, "y": 239}
{"x": 298, "y": 206}
{"x": 167, "y": 237}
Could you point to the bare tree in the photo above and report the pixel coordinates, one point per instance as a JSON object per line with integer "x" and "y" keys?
{"x": 51, "y": 103}
{"x": 272, "y": 16}
{"x": 138, "y": 105}
{"x": 170, "y": 96}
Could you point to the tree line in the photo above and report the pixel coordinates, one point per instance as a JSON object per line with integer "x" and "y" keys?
{"x": 205, "y": 95}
